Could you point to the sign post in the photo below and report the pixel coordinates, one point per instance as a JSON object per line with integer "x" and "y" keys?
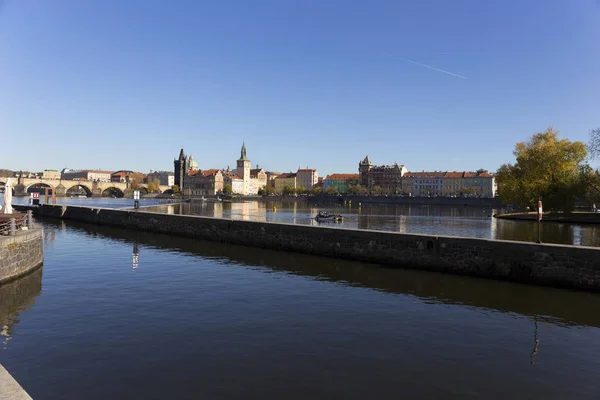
{"x": 136, "y": 199}
{"x": 539, "y": 240}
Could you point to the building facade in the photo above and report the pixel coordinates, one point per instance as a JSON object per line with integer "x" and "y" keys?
{"x": 166, "y": 178}
{"x": 450, "y": 184}
{"x": 285, "y": 180}
{"x": 51, "y": 174}
{"x": 387, "y": 177}
{"x": 86, "y": 175}
{"x": 120, "y": 176}
{"x": 307, "y": 178}
{"x": 341, "y": 182}
{"x": 208, "y": 182}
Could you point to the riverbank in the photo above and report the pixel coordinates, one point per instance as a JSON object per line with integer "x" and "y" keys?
{"x": 576, "y": 217}
{"x": 542, "y": 264}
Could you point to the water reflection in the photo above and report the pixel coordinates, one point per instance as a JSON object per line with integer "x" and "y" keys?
{"x": 136, "y": 256}
{"x": 15, "y": 297}
{"x": 433, "y": 220}
{"x": 554, "y": 306}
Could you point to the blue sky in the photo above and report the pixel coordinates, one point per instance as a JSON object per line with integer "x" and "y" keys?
{"x": 124, "y": 84}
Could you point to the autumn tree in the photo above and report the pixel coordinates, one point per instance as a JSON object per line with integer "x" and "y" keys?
{"x": 546, "y": 167}
{"x": 136, "y": 179}
{"x": 153, "y": 186}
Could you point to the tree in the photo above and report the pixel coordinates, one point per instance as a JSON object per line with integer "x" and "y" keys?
{"x": 267, "y": 190}
{"x": 594, "y": 143}
{"x": 227, "y": 189}
{"x": 356, "y": 189}
{"x": 136, "y": 179}
{"x": 331, "y": 190}
{"x": 546, "y": 167}
{"x": 175, "y": 189}
{"x": 377, "y": 190}
{"x": 153, "y": 186}
{"x": 316, "y": 190}
{"x": 288, "y": 190}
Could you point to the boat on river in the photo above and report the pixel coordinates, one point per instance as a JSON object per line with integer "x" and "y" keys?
{"x": 324, "y": 216}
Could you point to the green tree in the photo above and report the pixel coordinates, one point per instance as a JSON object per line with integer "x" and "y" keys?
{"x": 175, "y": 189}
{"x": 227, "y": 189}
{"x": 331, "y": 190}
{"x": 546, "y": 167}
{"x": 288, "y": 190}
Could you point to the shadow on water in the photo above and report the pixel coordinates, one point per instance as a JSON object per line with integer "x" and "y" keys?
{"x": 557, "y": 306}
{"x": 17, "y": 296}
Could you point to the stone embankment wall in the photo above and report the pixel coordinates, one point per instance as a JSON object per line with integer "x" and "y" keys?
{"x": 20, "y": 254}
{"x": 544, "y": 264}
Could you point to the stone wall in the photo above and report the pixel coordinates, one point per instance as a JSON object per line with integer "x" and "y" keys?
{"x": 20, "y": 254}
{"x": 545, "y": 264}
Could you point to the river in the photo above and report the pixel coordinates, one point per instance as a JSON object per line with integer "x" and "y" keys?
{"x": 119, "y": 314}
{"x": 434, "y": 220}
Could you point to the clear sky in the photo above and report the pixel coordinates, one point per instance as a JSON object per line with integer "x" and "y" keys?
{"x": 432, "y": 84}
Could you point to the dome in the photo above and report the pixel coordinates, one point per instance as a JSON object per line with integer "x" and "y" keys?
{"x": 193, "y": 163}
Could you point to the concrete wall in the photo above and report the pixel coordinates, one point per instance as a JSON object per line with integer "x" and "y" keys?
{"x": 545, "y": 264}
{"x": 20, "y": 254}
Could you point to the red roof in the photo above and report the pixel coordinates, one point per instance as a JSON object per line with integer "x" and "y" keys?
{"x": 343, "y": 177}
{"x": 307, "y": 170}
{"x": 453, "y": 175}
{"x": 209, "y": 172}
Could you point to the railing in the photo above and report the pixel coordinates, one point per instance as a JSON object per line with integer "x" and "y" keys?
{"x": 13, "y": 225}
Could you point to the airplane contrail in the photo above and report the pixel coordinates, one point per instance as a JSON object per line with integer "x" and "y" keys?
{"x": 430, "y": 67}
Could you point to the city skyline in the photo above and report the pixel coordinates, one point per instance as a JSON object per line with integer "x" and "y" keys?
{"x": 433, "y": 86}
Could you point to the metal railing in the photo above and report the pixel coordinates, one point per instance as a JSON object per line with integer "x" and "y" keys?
{"x": 18, "y": 223}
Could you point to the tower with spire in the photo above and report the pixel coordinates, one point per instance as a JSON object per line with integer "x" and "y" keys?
{"x": 181, "y": 165}
{"x": 243, "y": 168}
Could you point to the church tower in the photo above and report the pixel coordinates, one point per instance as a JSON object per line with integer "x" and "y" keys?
{"x": 243, "y": 169}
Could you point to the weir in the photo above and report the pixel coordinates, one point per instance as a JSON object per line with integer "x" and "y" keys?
{"x": 542, "y": 264}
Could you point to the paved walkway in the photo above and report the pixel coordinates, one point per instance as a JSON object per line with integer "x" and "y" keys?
{"x": 9, "y": 388}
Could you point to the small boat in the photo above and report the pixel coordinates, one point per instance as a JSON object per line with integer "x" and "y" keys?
{"x": 324, "y": 216}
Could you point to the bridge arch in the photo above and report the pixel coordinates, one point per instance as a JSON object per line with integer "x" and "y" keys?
{"x": 113, "y": 192}
{"x": 78, "y": 189}
{"x": 37, "y": 187}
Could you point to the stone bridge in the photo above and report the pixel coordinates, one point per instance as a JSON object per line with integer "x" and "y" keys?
{"x": 92, "y": 188}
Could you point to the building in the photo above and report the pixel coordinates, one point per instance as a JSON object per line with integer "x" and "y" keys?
{"x": 285, "y": 180}
{"x": 450, "y": 184}
{"x": 341, "y": 182}
{"x": 182, "y": 166}
{"x": 208, "y": 182}
{"x": 85, "y": 175}
{"x": 121, "y": 176}
{"x": 424, "y": 183}
{"x": 479, "y": 183}
{"x": 271, "y": 176}
{"x": 244, "y": 180}
{"x": 51, "y": 174}
{"x": 307, "y": 178}
{"x": 166, "y": 178}
{"x": 387, "y": 177}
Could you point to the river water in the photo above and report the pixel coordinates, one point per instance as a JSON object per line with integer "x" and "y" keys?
{"x": 118, "y": 314}
{"x": 434, "y": 220}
